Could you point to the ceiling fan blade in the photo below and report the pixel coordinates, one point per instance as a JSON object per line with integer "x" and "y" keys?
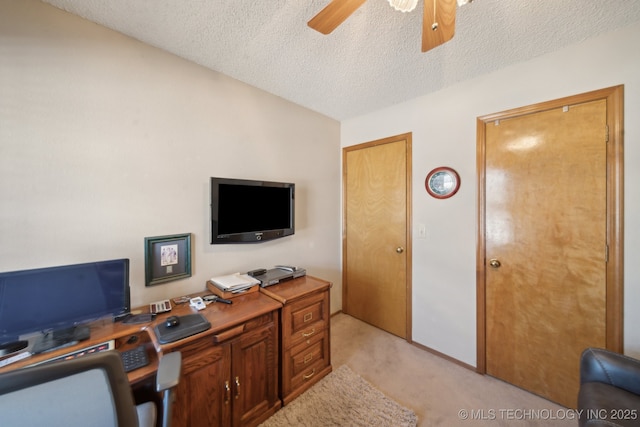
{"x": 438, "y": 23}
{"x": 334, "y": 14}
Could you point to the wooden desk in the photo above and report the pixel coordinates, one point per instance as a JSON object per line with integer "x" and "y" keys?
{"x": 232, "y": 373}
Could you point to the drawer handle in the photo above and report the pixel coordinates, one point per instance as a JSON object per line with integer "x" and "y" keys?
{"x": 313, "y": 372}
{"x": 237, "y": 387}
{"x": 227, "y": 392}
{"x": 308, "y": 334}
{"x": 308, "y": 358}
{"x": 307, "y": 317}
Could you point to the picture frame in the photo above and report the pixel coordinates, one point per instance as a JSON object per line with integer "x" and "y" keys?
{"x": 167, "y": 258}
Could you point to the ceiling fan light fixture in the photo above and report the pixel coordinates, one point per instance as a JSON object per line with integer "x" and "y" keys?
{"x": 404, "y": 5}
{"x": 463, "y": 2}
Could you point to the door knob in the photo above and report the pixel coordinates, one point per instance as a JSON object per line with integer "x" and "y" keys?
{"x": 494, "y": 263}
{"x": 399, "y": 249}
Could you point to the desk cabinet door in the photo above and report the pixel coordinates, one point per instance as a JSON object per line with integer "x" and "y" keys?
{"x": 254, "y": 375}
{"x": 203, "y": 397}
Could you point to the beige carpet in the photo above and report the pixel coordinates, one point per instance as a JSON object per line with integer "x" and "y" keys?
{"x": 441, "y": 393}
{"x": 342, "y": 398}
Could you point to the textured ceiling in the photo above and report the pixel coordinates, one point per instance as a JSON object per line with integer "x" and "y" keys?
{"x": 371, "y": 61}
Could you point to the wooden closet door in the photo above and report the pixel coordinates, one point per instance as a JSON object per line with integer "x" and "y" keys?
{"x": 546, "y": 246}
{"x": 376, "y": 233}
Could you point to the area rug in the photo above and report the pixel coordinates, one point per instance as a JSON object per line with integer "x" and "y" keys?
{"x": 342, "y": 398}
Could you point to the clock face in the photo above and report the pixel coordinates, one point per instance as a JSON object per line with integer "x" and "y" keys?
{"x": 442, "y": 182}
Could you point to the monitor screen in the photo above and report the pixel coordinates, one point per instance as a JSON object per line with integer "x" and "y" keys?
{"x": 59, "y": 297}
{"x": 251, "y": 211}
{"x": 272, "y": 208}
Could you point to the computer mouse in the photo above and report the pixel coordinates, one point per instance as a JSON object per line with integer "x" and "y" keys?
{"x": 172, "y": 321}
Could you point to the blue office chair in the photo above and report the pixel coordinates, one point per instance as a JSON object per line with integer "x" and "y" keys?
{"x": 91, "y": 390}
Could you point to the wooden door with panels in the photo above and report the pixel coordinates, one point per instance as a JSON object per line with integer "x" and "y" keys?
{"x": 550, "y": 240}
{"x": 376, "y": 233}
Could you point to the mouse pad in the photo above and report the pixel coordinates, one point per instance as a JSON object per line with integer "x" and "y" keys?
{"x": 190, "y": 324}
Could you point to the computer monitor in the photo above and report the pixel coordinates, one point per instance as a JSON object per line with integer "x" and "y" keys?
{"x": 56, "y": 300}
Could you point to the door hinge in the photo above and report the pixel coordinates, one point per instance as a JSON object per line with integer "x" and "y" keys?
{"x": 606, "y": 135}
{"x": 606, "y": 253}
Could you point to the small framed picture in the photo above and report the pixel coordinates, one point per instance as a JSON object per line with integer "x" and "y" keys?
{"x": 167, "y": 258}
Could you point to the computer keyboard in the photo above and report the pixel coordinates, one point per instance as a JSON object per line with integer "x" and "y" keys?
{"x": 134, "y": 358}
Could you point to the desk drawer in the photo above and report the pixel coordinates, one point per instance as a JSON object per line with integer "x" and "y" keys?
{"x": 307, "y": 354}
{"x": 237, "y": 330}
{"x": 301, "y": 363}
{"x": 305, "y": 318}
{"x": 308, "y": 311}
{"x": 195, "y": 349}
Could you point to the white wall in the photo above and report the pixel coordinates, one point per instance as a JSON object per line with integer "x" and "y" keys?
{"x": 444, "y": 133}
{"x": 105, "y": 141}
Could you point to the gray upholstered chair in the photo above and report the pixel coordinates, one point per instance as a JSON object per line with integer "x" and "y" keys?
{"x": 91, "y": 390}
{"x": 609, "y": 389}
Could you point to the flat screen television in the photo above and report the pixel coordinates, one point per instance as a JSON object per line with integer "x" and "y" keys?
{"x": 244, "y": 211}
{"x": 55, "y": 299}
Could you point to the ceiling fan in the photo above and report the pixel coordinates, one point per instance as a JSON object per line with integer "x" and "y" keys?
{"x": 438, "y": 22}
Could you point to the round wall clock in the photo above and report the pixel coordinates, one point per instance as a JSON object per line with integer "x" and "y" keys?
{"x": 442, "y": 182}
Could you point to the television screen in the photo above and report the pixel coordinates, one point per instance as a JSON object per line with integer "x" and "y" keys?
{"x": 251, "y": 211}
{"x": 54, "y": 298}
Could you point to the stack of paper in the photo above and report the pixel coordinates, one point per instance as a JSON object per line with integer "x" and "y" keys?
{"x": 234, "y": 282}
